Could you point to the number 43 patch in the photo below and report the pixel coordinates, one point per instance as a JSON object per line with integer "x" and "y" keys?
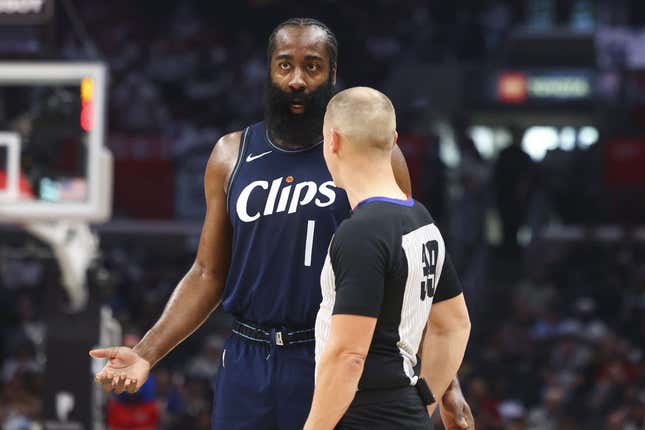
{"x": 429, "y": 253}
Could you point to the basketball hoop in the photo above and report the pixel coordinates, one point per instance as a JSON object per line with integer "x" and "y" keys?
{"x": 58, "y": 205}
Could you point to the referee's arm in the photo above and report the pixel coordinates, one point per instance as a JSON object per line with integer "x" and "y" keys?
{"x": 447, "y": 332}
{"x": 359, "y": 258}
{"x": 340, "y": 369}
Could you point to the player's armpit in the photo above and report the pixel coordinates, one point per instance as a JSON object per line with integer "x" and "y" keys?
{"x": 400, "y": 168}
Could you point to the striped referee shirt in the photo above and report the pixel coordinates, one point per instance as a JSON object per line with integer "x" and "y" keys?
{"x": 386, "y": 261}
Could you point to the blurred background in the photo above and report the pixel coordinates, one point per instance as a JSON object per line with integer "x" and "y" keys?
{"x": 523, "y": 123}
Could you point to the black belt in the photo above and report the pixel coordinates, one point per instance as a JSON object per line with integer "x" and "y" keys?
{"x": 280, "y": 337}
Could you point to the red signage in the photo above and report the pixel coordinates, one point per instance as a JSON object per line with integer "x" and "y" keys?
{"x": 512, "y": 87}
{"x": 544, "y": 85}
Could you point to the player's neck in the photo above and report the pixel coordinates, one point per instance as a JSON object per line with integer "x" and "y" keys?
{"x": 361, "y": 185}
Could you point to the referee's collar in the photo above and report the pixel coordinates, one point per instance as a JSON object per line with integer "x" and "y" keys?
{"x": 409, "y": 202}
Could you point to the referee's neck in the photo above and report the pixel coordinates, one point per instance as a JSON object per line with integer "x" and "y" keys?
{"x": 361, "y": 185}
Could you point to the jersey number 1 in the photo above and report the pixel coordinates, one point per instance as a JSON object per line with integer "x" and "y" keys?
{"x": 309, "y": 243}
{"x": 429, "y": 253}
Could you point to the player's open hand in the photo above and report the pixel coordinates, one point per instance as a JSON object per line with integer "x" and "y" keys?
{"x": 125, "y": 370}
{"x": 455, "y": 412}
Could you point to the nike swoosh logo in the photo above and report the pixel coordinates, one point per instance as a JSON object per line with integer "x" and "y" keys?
{"x": 252, "y": 157}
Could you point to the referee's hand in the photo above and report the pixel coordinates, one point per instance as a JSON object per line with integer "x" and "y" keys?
{"x": 455, "y": 412}
{"x": 125, "y": 369}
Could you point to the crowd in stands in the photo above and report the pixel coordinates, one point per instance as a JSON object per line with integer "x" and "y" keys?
{"x": 556, "y": 341}
{"x": 558, "y": 325}
{"x": 558, "y": 322}
{"x": 192, "y": 70}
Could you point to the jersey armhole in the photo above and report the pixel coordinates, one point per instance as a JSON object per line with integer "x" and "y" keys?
{"x": 236, "y": 169}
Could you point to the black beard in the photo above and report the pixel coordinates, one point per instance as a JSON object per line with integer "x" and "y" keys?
{"x": 296, "y": 130}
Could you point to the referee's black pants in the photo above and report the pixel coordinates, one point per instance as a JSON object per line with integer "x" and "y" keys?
{"x": 388, "y": 409}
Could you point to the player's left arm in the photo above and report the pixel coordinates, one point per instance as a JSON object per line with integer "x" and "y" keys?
{"x": 455, "y": 411}
{"x": 339, "y": 370}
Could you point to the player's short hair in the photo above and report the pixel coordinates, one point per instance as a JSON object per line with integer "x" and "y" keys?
{"x": 332, "y": 42}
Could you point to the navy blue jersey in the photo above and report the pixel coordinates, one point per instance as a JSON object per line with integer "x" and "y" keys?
{"x": 284, "y": 209}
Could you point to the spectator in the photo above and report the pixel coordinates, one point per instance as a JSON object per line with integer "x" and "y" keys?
{"x": 205, "y": 365}
{"x": 20, "y": 401}
{"x": 513, "y": 176}
{"x": 549, "y": 415}
{"x": 468, "y": 247}
{"x": 23, "y": 361}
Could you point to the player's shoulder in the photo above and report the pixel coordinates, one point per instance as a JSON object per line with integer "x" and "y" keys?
{"x": 223, "y": 158}
{"x": 226, "y": 149}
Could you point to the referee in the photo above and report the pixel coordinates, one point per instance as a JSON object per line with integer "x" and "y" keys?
{"x": 386, "y": 266}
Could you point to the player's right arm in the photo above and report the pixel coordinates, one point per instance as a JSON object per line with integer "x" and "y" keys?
{"x": 197, "y": 294}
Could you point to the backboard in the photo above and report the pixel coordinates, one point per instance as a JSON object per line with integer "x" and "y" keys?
{"x": 53, "y": 162}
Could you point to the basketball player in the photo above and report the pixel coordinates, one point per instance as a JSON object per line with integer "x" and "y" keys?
{"x": 271, "y": 211}
{"x": 385, "y": 268}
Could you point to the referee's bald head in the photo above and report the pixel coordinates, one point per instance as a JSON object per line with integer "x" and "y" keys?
{"x": 364, "y": 117}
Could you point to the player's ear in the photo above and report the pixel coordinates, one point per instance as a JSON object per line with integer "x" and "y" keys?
{"x": 333, "y": 76}
{"x": 396, "y": 137}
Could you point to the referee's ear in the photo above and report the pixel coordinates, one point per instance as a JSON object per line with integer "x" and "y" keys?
{"x": 335, "y": 141}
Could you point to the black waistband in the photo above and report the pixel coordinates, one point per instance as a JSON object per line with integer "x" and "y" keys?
{"x": 278, "y": 336}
